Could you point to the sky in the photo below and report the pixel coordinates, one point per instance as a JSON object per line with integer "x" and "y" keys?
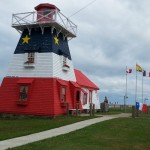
{"x": 112, "y": 34}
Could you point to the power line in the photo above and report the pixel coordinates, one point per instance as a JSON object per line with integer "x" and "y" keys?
{"x": 82, "y": 8}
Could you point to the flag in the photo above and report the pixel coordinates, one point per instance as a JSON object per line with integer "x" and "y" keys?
{"x": 140, "y": 106}
{"x": 144, "y": 73}
{"x": 129, "y": 71}
{"x": 147, "y": 74}
{"x": 144, "y": 108}
{"x": 137, "y": 105}
{"x": 138, "y": 68}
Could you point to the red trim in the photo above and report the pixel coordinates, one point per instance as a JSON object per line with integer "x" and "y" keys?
{"x": 65, "y": 65}
{"x": 76, "y": 85}
{"x": 25, "y": 81}
{"x": 23, "y": 103}
{"x": 62, "y": 82}
{"x": 90, "y": 89}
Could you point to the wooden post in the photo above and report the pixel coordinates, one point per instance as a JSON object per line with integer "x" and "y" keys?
{"x": 133, "y": 111}
{"x": 147, "y": 110}
{"x": 93, "y": 111}
{"x": 77, "y": 105}
{"x": 137, "y": 112}
{"x": 67, "y": 108}
{"x": 90, "y": 109}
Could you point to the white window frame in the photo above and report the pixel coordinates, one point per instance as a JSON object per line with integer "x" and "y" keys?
{"x": 64, "y": 60}
{"x": 31, "y": 57}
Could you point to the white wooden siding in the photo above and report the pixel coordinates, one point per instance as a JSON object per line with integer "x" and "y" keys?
{"x": 57, "y": 69}
{"x": 46, "y": 65}
{"x": 95, "y": 99}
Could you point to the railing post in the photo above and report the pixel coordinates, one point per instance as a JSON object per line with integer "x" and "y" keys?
{"x": 33, "y": 17}
{"x": 56, "y": 12}
{"x": 12, "y": 19}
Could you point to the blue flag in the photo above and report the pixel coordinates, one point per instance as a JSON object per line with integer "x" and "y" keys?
{"x": 144, "y": 73}
{"x": 137, "y": 105}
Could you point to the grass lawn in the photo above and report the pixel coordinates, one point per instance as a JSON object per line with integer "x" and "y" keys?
{"x": 11, "y": 127}
{"x": 116, "y": 134}
{"x": 113, "y": 111}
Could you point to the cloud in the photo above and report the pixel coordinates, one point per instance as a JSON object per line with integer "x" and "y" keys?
{"x": 112, "y": 34}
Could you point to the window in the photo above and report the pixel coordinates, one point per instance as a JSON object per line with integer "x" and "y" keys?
{"x": 31, "y": 57}
{"x": 65, "y": 63}
{"x": 63, "y": 94}
{"x": 24, "y": 86}
{"x": 46, "y": 12}
{"x": 23, "y": 93}
{"x": 30, "y": 60}
{"x": 64, "y": 60}
{"x": 90, "y": 96}
{"x": 77, "y": 96}
{"x": 84, "y": 99}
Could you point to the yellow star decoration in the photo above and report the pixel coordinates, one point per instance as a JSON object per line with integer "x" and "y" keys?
{"x": 26, "y": 39}
{"x": 56, "y": 40}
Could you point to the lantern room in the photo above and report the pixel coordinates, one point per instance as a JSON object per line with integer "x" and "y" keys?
{"x": 45, "y": 16}
{"x": 46, "y": 12}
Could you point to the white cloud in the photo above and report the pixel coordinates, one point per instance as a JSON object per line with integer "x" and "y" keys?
{"x": 112, "y": 34}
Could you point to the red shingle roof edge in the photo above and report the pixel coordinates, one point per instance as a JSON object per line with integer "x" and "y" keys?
{"x": 84, "y": 81}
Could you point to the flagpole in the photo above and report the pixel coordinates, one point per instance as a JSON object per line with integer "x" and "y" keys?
{"x": 142, "y": 88}
{"x": 126, "y": 91}
{"x": 126, "y": 82}
{"x": 136, "y": 86}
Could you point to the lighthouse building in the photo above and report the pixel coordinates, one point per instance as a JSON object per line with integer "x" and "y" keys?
{"x": 41, "y": 79}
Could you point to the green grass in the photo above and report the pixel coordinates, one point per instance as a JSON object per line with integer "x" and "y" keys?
{"x": 13, "y": 127}
{"x": 116, "y": 134}
{"x": 113, "y": 111}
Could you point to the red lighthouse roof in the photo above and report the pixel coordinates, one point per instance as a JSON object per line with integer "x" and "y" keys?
{"x": 84, "y": 81}
{"x": 45, "y": 5}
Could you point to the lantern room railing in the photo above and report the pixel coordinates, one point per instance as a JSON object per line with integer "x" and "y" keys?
{"x": 54, "y": 18}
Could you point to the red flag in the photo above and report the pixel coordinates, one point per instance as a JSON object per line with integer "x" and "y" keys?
{"x": 130, "y": 71}
{"x": 144, "y": 108}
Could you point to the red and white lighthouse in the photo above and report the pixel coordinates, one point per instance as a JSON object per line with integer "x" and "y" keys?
{"x": 41, "y": 79}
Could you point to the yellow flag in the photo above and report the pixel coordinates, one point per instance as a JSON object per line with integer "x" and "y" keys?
{"x": 138, "y": 68}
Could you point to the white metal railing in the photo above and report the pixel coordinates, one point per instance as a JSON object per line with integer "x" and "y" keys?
{"x": 33, "y": 18}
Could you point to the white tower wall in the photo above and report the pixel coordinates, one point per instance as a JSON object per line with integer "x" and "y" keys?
{"x": 45, "y": 65}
